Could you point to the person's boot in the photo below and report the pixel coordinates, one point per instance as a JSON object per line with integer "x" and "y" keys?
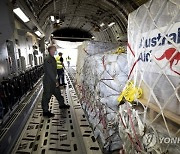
{"x": 65, "y": 106}
{"x": 48, "y": 114}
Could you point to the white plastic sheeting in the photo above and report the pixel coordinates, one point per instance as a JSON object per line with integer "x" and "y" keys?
{"x": 154, "y": 45}
{"x": 89, "y": 48}
{"x": 151, "y": 125}
{"x": 153, "y": 61}
{"x": 100, "y": 80}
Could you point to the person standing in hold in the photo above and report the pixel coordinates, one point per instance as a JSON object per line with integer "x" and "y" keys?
{"x": 60, "y": 69}
{"x": 68, "y": 59}
{"x": 50, "y": 84}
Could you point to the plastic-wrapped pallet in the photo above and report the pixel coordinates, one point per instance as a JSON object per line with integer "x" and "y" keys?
{"x": 89, "y": 48}
{"x": 104, "y": 77}
{"x": 153, "y": 60}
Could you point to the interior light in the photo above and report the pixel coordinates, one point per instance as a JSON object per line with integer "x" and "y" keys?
{"x": 38, "y": 33}
{"x": 111, "y": 24}
{"x": 52, "y": 18}
{"x": 21, "y": 14}
{"x": 58, "y": 21}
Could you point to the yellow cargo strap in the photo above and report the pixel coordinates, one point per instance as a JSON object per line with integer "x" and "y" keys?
{"x": 120, "y": 50}
{"x": 130, "y": 93}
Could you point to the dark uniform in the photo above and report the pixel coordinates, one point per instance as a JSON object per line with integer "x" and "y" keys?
{"x": 49, "y": 83}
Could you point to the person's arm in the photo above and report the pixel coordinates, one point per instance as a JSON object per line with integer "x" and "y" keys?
{"x": 61, "y": 60}
{"x": 48, "y": 70}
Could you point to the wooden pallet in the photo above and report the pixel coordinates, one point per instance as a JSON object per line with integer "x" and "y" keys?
{"x": 171, "y": 116}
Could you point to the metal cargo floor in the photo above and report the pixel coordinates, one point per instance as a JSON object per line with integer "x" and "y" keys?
{"x": 67, "y": 132}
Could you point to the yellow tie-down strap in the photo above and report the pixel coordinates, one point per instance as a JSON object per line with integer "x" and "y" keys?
{"x": 130, "y": 93}
{"x": 120, "y": 50}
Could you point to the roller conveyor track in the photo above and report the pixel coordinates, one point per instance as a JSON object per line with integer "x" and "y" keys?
{"x": 71, "y": 72}
{"x": 67, "y": 132}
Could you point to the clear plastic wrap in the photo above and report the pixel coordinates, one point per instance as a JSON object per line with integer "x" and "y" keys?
{"x": 153, "y": 54}
{"x": 103, "y": 77}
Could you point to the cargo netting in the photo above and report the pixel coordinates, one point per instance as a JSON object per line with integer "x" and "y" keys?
{"x": 101, "y": 78}
{"x": 152, "y": 122}
{"x": 139, "y": 91}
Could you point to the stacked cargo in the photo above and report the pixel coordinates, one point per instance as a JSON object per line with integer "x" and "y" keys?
{"x": 152, "y": 125}
{"x": 89, "y": 48}
{"x": 148, "y": 90}
{"x": 103, "y": 77}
